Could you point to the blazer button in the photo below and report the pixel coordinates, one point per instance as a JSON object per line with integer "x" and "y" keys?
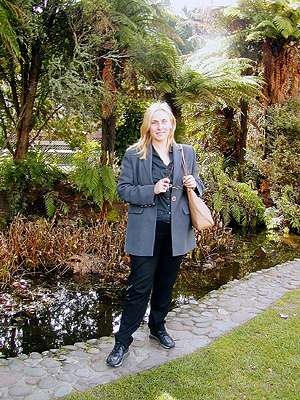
{"x": 173, "y": 198}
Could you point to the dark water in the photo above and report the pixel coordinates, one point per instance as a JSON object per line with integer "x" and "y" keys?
{"x": 37, "y": 316}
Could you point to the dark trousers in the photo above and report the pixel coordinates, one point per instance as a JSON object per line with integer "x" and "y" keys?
{"x": 157, "y": 273}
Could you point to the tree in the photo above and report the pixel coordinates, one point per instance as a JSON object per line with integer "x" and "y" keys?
{"x": 219, "y": 92}
{"x": 271, "y": 28}
{"x": 24, "y": 79}
{"x": 131, "y": 34}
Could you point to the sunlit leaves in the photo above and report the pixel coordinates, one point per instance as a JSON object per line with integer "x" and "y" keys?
{"x": 266, "y": 19}
{"x": 217, "y": 81}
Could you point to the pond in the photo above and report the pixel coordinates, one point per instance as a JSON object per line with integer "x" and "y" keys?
{"x": 40, "y": 315}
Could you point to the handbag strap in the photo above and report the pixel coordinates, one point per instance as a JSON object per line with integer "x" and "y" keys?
{"x": 183, "y": 163}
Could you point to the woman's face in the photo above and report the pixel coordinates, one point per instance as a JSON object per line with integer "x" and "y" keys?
{"x": 160, "y": 126}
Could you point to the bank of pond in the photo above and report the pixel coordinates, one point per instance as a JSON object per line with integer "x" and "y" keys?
{"x": 46, "y": 312}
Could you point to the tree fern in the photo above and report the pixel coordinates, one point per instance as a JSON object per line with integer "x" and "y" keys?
{"x": 277, "y": 19}
{"x": 284, "y": 26}
{"x": 217, "y": 201}
{"x": 95, "y": 181}
{"x": 109, "y": 183}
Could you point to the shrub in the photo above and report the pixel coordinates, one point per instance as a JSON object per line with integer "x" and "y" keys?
{"x": 280, "y": 168}
{"x": 210, "y": 244}
{"x": 232, "y": 201}
{"x": 286, "y": 202}
{"x": 26, "y": 181}
{"x": 95, "y": 181}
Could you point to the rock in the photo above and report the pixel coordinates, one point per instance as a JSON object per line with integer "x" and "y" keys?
{"x": 50, "y": 363}
{"x": 8, "y": 380}
{"x": 20, "y": 390}
{"x": 93, "y": 341}
{"x": 38, "y": 395}
{"x": 35, "y": 355}
{"x": 47, "y": 383}
{"x": 33, "y": 371}
{"x": 63, "y": 390}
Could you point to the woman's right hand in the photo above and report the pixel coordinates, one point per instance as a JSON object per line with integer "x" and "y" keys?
{"x": 162, "y": 186}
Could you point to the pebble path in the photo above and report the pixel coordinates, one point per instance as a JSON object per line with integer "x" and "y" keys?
{"x": 58, "y": 372}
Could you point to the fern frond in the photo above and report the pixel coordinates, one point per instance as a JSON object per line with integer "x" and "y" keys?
{"x": 232, "y": 12}
{"x": 96, "y": 182}
{"x": 235, "y": 212}
{"x": 49, "y": 201}
{"x": 217, "y": 201}
{"x": 284, "y": 26}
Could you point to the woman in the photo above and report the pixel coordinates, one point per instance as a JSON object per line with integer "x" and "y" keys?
{"x": 159, "y": 231}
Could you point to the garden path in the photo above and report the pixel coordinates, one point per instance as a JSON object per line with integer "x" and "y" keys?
{"x": 58, "y": 372}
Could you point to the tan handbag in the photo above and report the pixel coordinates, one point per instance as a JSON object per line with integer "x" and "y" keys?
{"x": 201, "y": 217}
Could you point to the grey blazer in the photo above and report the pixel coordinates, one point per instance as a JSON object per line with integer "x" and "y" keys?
{"x": 136, "y": 187}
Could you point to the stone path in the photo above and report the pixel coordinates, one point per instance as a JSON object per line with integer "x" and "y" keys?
{"x": 58, "y": 372}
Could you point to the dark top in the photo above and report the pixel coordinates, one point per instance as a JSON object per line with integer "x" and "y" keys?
{"x": 159, "y": 171}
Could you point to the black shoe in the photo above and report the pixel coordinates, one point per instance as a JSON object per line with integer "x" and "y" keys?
{"x": 163, "y": 338}
{"x": 117, "y": 355}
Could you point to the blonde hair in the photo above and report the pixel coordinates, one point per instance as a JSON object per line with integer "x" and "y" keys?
{"x": 142, "y": 144}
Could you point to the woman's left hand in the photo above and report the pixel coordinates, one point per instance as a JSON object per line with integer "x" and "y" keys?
{"x": 189, "y": 182}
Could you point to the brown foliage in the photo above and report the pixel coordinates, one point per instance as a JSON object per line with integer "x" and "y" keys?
{"x": 42, "y": 246}
{"x": 30, "y": 246}
{"x": 211, "y": 244}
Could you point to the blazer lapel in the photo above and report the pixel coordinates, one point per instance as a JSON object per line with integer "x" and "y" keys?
{"x": 178, "y": 172}
{"x": 147, "y": 167}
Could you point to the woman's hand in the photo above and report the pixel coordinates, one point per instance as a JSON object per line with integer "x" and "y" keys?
{"x": 189, "y": 182}
{"x": 162, "y": 185}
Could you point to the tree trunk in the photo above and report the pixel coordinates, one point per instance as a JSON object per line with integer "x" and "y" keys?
{"x": 108, "y": 137}
{"x": 176, "y": 110}
{"x": 108, "y": 112}
{"x": 24, "y": 125}
{"x": 281, "y": 64}
{"x": 225, "y": 132}
{"x": 241, "y": 139}
{"x": 240, "y": 146}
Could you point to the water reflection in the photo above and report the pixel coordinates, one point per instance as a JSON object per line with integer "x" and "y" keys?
{"x": 70, "y": 316}
{"x": 39, "y": 316}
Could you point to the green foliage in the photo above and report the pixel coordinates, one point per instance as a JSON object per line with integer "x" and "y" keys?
{"x": 53, "y": 204}
{"x": 217, "y": 82}
{"x": 129, "y": 122}
{"x": 9, "y": 11}
{"x": 70, "y": 128}
{"x": 281, "y": 165}
{"x": 232, "y": 201}
{"x": 283, "y": 119}
{"x": 24, "y": 181}
{"x": 287, "y": 203}
{"x": 94, "y": 180}
{"x": 275, "y": 20}
{"x": 26, "y": 81}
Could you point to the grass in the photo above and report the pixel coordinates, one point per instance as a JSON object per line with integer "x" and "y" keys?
{"x": 258, "y": 361}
